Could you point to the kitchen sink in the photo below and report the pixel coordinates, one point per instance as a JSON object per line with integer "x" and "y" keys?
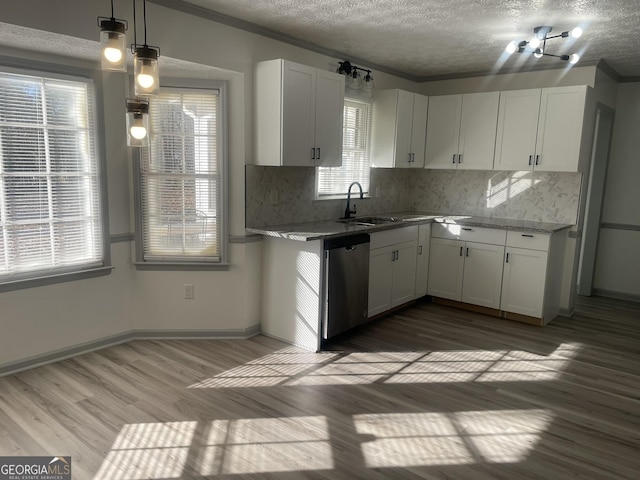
{"x": 368, "y": 221}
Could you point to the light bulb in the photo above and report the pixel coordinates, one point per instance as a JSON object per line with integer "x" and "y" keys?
{"x": 511, "y": 48}
{"x": 113, "y": 54}
{"x": 574, "y": 58}
{"x": 538, "y": 53}
{"x": 535, "y": 42}
{"x": 138, "y": 132}
{"x": 145, "y": 80}
{"x": 576, "y": 33}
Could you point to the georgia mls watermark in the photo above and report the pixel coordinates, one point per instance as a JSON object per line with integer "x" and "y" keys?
{"x": 35, "y": 468}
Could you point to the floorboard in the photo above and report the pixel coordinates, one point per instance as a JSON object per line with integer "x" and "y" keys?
{"x": 429, "y": 392}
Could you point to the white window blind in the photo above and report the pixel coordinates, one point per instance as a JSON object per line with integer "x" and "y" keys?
{"x": 180, "y": 175}
{"x": 356, "y": 163}
{"x": 50, "y": 217}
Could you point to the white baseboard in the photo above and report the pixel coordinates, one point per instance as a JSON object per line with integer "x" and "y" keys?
{"x": 64, "y": 353}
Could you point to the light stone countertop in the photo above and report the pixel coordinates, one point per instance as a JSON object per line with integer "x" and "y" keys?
{"x": 320, "y": 230}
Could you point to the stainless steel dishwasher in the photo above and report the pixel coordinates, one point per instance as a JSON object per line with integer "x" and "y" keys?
{"x": 347, "y": 283}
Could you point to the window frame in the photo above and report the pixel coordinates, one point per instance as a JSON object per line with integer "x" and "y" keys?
{"x": 50, "y": 276}
{"x": 189, "y": 263}
{"x": 342, "y": 196}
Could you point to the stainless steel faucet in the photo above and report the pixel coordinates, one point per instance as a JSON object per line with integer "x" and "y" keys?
{"x": 348, "y": 211}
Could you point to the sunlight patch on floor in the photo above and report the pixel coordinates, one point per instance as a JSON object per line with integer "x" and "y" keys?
{"x": 288, "y": 368}
{"x": 148, "y": 450}
{"x": 423, "y": 439}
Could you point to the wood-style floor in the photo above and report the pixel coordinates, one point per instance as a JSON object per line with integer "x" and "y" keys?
{"x": 429, "y": 392}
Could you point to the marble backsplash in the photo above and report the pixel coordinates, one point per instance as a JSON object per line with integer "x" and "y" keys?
{"x": 280, "y": 195}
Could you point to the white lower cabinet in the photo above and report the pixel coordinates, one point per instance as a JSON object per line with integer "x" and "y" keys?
{"x": 392, "y": 269}
{"x": 533, "y": 269}
{"x": 469, "y": 272}
{"x": 524, "y": 281}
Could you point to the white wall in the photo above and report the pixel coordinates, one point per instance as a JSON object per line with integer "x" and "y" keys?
{"x": 618, "y": 258}
{"x": 47, "y": 319}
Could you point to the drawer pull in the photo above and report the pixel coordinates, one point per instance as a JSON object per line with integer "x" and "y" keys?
{"x": 467, "y": 229}
{"x": 527, "y": 235}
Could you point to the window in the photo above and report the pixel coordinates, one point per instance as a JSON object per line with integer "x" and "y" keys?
{"x": 51, "y": 220}
{"x": 356, "y": 139}
{"x": 181, "y": 176}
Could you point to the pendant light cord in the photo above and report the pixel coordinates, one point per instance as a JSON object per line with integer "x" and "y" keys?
{"x": 144, "y": 16}
{"x": 135, "y": 29}
{"x": 112, "y": 15}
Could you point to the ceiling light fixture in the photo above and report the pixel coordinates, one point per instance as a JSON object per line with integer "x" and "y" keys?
{"x": 538, "y": 44}
{"x": 137, "y": 122}
{"x": 145, "y": 60}
{"x": 355, "y": 81}
{"x": 113, "y": 42}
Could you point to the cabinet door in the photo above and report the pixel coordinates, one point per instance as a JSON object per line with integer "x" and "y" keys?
{"x": 443, "y": 129}
{"x": 422, "y": 264}
{"x": 404, "y": 119}
{"x": 560, "y": 129}
{"x": 478, "y": 130}
{"x": 418, "y": 130}
{"x": 517, "y": 129}
{"x": 299, "y": 114}
{"x": 329, "y": 117}
{"x": 404, "y": 274}
{"x": 380, "y": 279}
{"x": 482, "y": 279}
{"x": 523, "y": 281}
{"x": 446, "y": 266}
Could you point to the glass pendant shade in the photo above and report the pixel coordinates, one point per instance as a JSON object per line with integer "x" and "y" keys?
{"x": 145, "y": 71}
{"x": 137, "y": 123}
{"x": 113, "y": 45}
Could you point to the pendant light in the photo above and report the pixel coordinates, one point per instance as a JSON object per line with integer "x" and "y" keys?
{"x": 145, "y": 60}
{"x": 113, "y": 43}
{"x": 137, "y": 122}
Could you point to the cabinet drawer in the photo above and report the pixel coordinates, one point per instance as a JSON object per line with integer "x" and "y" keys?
{"x": 471, "y": 234}
{"x": 391, "y": 237}
{"x": 530, "y": 240}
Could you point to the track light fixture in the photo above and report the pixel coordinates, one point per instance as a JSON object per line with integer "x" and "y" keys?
{"x": 355, "y": 81}
{"x": 137, "y": 122}
{"x": 538, "y": 44}
{"x": 145, "y": 60}
{"x": 112, "y": 42}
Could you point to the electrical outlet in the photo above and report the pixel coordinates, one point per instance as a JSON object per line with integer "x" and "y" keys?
{"x": 188, "y": 291}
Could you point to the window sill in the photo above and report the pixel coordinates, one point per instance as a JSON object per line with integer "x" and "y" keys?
{"x": 354, "y": 198}
{"x": 51, "y": 279}
{"x": 180, "y": 266}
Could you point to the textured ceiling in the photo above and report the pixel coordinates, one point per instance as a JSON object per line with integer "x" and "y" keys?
{"x": 424, "y": 39}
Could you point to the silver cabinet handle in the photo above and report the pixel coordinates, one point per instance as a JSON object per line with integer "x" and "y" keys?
{"x": 467, "y": 251}
{"x": 461, "y": 248}
{"x": 527, "y": 235}
{"x": 454, "y": 158}
{"x": 419, "y": 249}
{"x": 313, "y": 153}
{"x": 537, "y": 159}
{"x": 318, "y": 153}
{"x": 530, "y": 159}
{"x": 507, "y": 257}
{"x": 409, "y": 155}
{"x": 459, "y": 158}
{"x": 413, "y": 158}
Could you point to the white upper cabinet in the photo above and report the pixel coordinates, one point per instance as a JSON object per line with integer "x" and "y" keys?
{"x": 299, "y": 114}
{"x": 399, "y": 128}
{"x": 541, "y": 129}
{"x": 461, "y": 131}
